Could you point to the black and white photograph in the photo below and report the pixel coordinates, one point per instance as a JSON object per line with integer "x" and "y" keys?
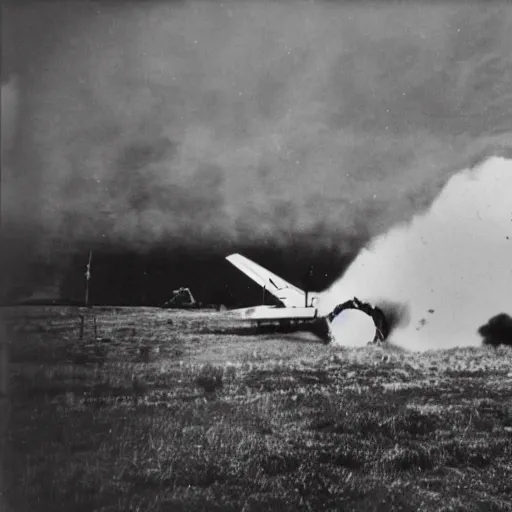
{"x": 256, "y": 255}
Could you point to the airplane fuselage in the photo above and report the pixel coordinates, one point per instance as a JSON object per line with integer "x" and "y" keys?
{"x": 299, "y": 310}
{"x": 273, "y": 313}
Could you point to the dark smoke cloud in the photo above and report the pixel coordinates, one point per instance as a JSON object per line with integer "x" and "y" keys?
{"x": 497, "y": 331}
{"x": 248, "y": 123}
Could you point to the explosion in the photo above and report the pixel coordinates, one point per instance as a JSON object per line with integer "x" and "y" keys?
{"x": 449, "y": 270}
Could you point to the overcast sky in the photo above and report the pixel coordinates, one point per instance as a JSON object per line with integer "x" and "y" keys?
{"x": 243, "y": 122}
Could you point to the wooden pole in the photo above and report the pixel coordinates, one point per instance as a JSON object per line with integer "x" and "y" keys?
{"x": 87, "y": 278}
{"x": 82, "y": 320}
{"x": 307, "y": 283}
{"x": 144, "y": 281}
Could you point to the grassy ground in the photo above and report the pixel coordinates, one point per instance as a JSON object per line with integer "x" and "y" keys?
{"x": 167, "y": 411}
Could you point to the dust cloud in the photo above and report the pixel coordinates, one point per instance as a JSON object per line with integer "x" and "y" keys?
{"x": 243, "y": 124}
{"x": 450, "y": 268}
{"x": 250, "y": 121}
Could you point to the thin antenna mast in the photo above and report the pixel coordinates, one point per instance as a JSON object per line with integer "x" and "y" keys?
{"x": 307, "y": 283}
{"x": 87, "y": 278}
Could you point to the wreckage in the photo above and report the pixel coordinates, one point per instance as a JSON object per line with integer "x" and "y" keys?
{"x": 298, "y": 309}
{"x": 181, "y": 298}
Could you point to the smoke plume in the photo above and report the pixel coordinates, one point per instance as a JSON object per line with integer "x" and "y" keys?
{"x": 450, "y": 268}
{"x": 498, "y": 331}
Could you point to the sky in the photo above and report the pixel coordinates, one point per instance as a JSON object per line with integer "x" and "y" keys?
{"x": 236, "y": 126}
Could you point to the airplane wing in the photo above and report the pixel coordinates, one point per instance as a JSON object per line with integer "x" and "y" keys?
{"x": 288, "y": 294}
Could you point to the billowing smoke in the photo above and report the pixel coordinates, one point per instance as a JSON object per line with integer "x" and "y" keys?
{"x": 246, "y": 123}
{"x": 497, "y": 331}
{"x": 450, "y": 268}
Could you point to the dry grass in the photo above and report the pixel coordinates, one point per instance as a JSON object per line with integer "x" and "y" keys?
{"x": 159, "y": 414}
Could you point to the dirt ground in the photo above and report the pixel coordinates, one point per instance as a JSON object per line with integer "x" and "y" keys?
{"x": 126, "y": 409}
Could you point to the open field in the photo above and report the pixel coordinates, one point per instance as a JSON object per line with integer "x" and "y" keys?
{"x": 161, "y": 410}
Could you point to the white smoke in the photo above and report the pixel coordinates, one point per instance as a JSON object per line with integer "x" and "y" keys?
{"x": 451, "y": 267}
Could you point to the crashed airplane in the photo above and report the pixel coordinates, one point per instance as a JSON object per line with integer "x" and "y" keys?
{"x": 298, "y": 309}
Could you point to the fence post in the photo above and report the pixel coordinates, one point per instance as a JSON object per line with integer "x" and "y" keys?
{"x": 82, "y": 320}
{"x": 88, "y": 324}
